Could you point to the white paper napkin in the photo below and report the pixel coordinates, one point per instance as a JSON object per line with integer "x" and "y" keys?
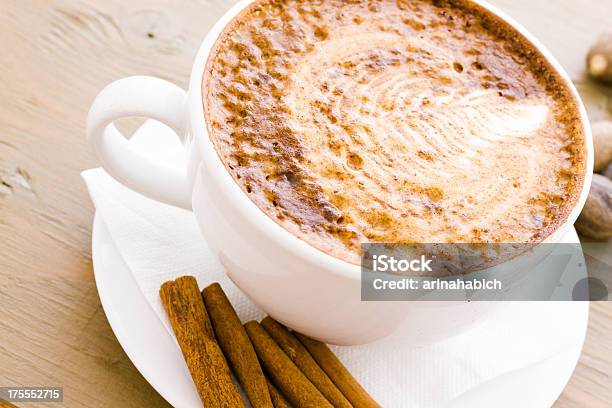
{"x": 159, "y": 243}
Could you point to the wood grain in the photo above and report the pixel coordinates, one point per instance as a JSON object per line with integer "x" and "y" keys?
{"x": 56, "y": 55}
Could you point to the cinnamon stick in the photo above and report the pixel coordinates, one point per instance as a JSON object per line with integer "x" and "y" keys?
{"x": 277, "y": 398}
{"x": 304, "y": 361}
{"x": 336, "y": 371}
{"x": 236, "y": 346}
{"x": 284, "y": 374}
{"x": 183, "y": 303}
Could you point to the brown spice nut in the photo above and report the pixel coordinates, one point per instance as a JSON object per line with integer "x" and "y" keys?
{"x": 595, "y": 221}
{"x": 599, "y": 59}
{"x": 608, "y": 171}
{"x": 602, "y": 142}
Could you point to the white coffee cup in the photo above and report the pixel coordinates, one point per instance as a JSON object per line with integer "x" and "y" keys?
{"x": 298, "y": 285}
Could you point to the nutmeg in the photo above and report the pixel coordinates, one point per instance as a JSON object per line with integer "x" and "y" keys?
{"x": 602, "y": 142}
{"x": 595, "y": 221}
{"x": 599, "y": 59}
{"x": 608, "y": 171}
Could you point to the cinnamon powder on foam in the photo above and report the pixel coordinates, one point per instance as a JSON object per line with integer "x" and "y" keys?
{"x": 393, "y": 121}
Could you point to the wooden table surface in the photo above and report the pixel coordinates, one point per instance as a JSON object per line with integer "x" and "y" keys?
{"x": 56, "y": 54}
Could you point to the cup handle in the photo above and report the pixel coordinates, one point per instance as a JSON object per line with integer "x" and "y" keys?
{"x": 148, "y": 97}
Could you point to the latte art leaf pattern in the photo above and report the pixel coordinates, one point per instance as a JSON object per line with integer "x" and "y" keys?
{"x": 490, "y": 118}
{"x": 393, "y": 121}
{"x": 449, "y": 125}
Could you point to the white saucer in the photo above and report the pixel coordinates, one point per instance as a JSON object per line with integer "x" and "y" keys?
{"x": 157, "y": 357}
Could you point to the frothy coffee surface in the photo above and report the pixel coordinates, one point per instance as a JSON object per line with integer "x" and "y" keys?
{"x": 393, "y": 121}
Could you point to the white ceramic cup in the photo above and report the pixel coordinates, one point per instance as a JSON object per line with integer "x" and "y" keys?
{"x": 298, "y": 285}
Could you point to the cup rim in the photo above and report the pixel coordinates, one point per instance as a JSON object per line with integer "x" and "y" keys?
{"x": 265, "y": 225}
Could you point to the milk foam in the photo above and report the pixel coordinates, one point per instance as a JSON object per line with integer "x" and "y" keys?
{"x": 407, "y": 140}
{"x": 399, "y": 122}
